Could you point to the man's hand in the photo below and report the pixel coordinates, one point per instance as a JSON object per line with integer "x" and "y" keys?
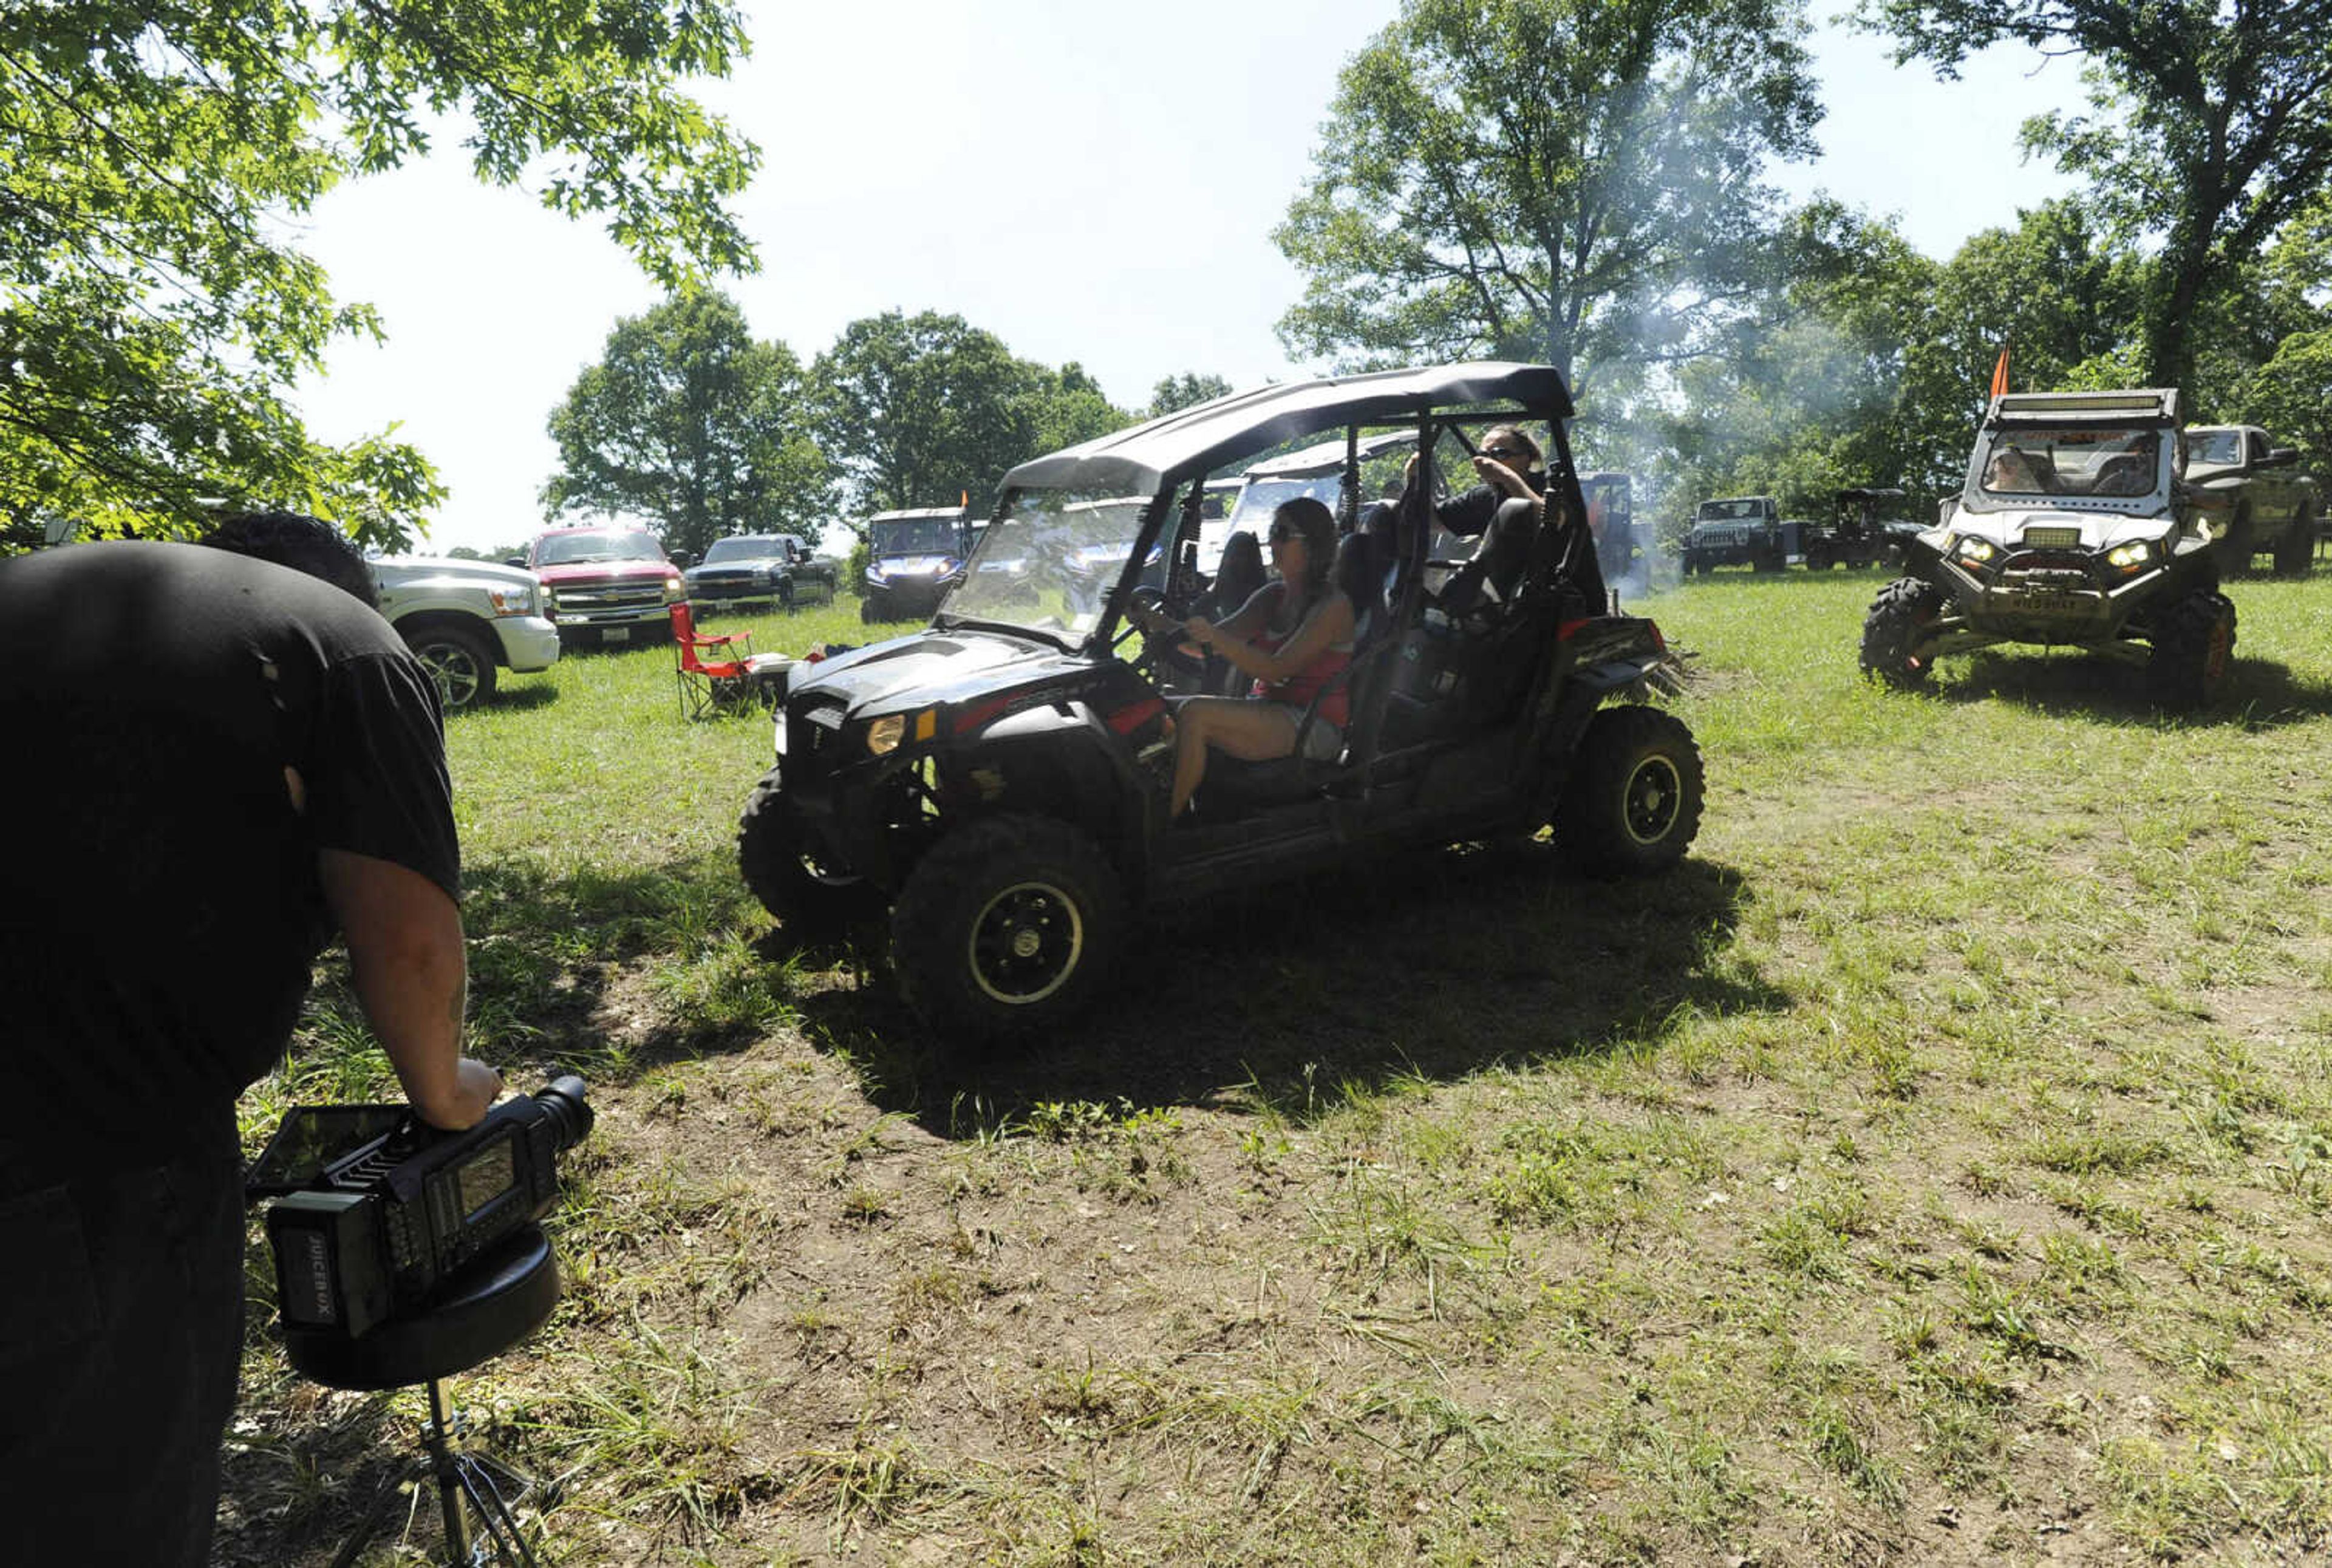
{"x": 476, "y": 1087}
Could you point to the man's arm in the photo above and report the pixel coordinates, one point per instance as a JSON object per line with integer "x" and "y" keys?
{"x": 412, "y": 977}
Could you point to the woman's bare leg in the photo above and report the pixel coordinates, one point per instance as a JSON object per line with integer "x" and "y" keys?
{"x": 1236, "y": 726}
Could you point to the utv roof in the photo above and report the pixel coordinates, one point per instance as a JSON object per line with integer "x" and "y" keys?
{"x": 2150, "y": 404}
{"x": 1195, "y": 440}
{"x": 915, "y": 514}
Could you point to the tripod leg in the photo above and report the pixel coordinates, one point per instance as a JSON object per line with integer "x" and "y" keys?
{"x": 447, "y": 1468}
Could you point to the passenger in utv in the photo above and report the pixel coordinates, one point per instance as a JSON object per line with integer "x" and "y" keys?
{"x": 1504, "y": 510}
{"x": 1292, "y": 637}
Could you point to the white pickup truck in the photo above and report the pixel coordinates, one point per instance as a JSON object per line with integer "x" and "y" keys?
{"x": 465, "y": 620}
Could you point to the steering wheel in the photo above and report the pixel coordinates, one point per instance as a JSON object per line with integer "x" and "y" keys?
{"x": 1157, "y": 652}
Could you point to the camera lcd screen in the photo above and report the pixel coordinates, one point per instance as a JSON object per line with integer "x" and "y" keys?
{"x": 311, "y": 1140}
{"x": 488, "y": 1176}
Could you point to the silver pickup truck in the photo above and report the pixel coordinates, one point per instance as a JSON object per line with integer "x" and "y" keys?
{"x": 465, "y": 619}
{"x": 2253, "y": 495}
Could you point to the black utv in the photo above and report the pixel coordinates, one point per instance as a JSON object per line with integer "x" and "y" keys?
{"x": 997, "y": 782}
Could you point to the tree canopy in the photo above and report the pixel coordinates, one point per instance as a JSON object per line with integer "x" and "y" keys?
{"x": 2211, "y": 127}
{"x": 1573, "y": 181}
{"x": 689, "y": 423}
{"x": 922, "y": 410}
{"x": 152, "y": 309}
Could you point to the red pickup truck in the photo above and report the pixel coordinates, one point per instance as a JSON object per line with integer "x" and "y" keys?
{"x": 607, "y": 584}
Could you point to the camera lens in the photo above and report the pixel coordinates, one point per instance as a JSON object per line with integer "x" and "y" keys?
{"x": 564, "y": 1110}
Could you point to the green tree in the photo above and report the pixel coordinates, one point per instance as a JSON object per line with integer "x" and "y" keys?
{"x": 688, "y": 423}
{"x": 1571, "y": 181}
{"x": 1072, "y": 409}
{"x": 153, "y": 311}
{"x": 921, "y": 411}
{"x": 1173, "y": 392}
{"x": 2212, "y": 128}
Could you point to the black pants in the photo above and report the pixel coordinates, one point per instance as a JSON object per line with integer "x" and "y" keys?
{"x": 121, "y": 1331}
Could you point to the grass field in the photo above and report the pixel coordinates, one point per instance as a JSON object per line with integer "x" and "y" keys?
{"x": 1932, "y": 1169}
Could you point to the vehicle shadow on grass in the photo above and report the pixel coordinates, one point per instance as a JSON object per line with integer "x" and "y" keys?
{"x": 510, "y": 699}
{"x": 1434, "y": 965}
{"x": 2260, "y": 693}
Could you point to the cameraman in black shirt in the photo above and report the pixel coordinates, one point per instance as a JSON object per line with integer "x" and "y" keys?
{"x": 220, "y": 759}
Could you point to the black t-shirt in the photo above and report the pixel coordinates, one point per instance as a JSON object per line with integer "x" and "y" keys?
{"x": 159, "y": 906}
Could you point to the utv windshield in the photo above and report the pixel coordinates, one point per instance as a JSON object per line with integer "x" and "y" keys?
{"x": 1050, "y": 561}
{"x": 2072, "y": 461}
{"x": 597, "y": 544}
{"x": 917, "y": 536}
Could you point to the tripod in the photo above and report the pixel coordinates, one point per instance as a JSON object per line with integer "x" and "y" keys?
{"x": 494, "y": 1303}
{"x": 469, "y": 1482}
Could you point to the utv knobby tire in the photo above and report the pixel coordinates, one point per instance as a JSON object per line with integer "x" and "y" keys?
{"x": 1633, "y": 802}
{"x": 1894, "y": 628}
{"x": 2296, "y": 551}
{"x": 2194, "y": 650}
{"x": 812, "y": 904}
{"x": 1009, "y": 926}
{"x": 461, "y": 660}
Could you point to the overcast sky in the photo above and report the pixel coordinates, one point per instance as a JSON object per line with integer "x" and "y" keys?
{"x": 1087, "y": 182}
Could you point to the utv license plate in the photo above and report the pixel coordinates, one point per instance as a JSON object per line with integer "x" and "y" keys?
{"x": 2050, "y": 604}
{"x": 616, "y": 635}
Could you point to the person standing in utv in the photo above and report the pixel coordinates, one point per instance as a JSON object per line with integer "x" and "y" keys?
{"x": 1504, "y": 511}
{"x": 223, "y": 755}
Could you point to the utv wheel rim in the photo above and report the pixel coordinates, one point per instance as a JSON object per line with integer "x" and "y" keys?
{"x": 1025, "y": 944}
{"x": 1654, "y": 794}
{"x": 454, "y": 671}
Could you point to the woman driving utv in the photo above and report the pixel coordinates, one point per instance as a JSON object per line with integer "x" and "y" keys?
{"x": 1291, "y": 638}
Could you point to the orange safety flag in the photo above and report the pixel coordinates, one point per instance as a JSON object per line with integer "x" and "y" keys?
{"x": 2000, "y": 374}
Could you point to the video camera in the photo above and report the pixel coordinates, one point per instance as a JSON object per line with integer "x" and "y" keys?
{"x": 373, "y": 1208}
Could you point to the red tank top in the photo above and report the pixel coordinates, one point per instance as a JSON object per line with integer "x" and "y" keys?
{"x": 1301, "y": 687}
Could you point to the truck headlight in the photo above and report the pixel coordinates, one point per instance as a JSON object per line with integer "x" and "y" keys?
{"x": 675, "y": 590}
{"x": 512, "y": 601}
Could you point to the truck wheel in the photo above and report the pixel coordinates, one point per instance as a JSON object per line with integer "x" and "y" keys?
{"x": 1008, "y": 926}
{"x": 2236, "y": 549}
{"x": 2296, "y": 551}
{"x": 1895, "y": 627}
{"x": 1633, "y": 802}
{"x": 813, "y": 903}
{"x": 786, "y": 594}
{"x": 2194, "y": 650}
{"x": 459, "y": 660}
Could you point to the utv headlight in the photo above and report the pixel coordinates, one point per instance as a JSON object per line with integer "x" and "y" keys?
{"x": 884, "y": 735}
{"x": 2131, "y": 556}
{"x": 1978, "y": 550}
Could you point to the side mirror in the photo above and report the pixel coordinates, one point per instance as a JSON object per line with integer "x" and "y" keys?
{"x": 517, "y": 560}
{"x": 2280, "y": 458}
{"x": 682, "y": 559}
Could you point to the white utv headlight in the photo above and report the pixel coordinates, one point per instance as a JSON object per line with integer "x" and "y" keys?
{"x": 2131, "y": 556}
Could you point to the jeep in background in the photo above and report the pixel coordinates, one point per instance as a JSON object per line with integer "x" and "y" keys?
{"x": 912, "y": 558}
{"x": 609, "y": 584}
{"x": 997, "y": 785}
{"x": 2071, "y": 530}
{"x": 2253, "y": 497}
{"x": 465, "y": 620}
{"x": 1736, "y": 530}
{"x": 746, "y": 567}
{"x": 1860, "y": 536}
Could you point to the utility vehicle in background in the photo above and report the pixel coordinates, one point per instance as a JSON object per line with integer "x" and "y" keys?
{"x": 2071, "y": 530}
{"x": 994, "y": 786}
{"x": 913, "y": 558}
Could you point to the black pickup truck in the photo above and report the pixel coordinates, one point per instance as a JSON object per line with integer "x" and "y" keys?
{"x": 759, "y": 566}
